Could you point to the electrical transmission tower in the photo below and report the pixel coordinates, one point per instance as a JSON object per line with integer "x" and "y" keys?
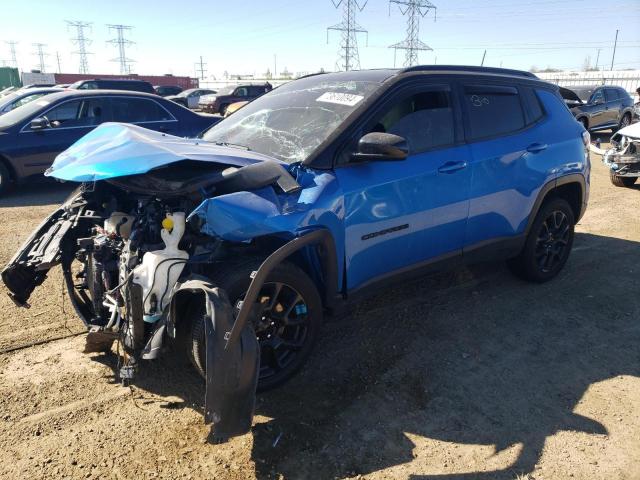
{"x": 41, "y": 55}
{"x": 413, "y": 10}
{"x": 81, "y": 41}
{"x": 122, "y": 43}
{"x": 348, "y": 59}
{"x": 12, "y": 51}
{"x": 200, "y": 70}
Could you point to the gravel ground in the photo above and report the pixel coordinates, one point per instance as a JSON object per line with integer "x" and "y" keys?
{"x": 470, "y": 374}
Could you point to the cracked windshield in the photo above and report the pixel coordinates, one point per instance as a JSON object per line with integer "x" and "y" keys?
{"x": 290, "y": 122}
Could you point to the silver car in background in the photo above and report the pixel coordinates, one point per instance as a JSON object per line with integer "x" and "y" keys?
{"x": 23, "y": 96}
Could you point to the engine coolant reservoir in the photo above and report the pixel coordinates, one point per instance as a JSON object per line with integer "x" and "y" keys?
{"x": 160, "y": 269}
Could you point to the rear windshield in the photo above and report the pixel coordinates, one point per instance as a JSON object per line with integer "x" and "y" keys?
{"x": 583, "y": 93}
{"x": 24, "y": 112}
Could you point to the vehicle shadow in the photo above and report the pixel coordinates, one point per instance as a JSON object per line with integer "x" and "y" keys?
{"x": 37, "y": 193}
{"x": 473, "y": 357}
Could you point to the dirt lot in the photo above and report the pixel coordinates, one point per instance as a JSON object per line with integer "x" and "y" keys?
{"x": 471, "y": 374}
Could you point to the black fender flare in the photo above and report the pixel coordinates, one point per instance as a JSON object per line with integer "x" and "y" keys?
{"x": 548, "y": 187}
{"x": 320, "y": 237}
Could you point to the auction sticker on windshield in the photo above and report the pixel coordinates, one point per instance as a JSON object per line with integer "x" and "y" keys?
{"x": 348, "y": 99}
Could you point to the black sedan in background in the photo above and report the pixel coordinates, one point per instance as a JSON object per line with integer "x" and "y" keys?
{"x": 599, "y": 107}
{"x": 166, "y": 90}
{"x": 31, "y": 136}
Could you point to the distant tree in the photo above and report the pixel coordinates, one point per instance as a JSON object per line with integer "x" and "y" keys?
{"x": 550, "y": 70}
{"x": 533, "y": 69}
{"x": 268, "y": 74}
{"x": 586, "y": 65}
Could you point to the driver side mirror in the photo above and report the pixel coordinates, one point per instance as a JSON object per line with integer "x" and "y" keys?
{"x": 376, "y": 146}
{"x": 40, "y": 123}
{"x": 598, "y": 101}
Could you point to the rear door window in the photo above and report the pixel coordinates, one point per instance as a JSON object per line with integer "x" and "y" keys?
{"x": 138, "y": 110}
{"x": 611, "y": 94}
{"x": 492, "y": 110}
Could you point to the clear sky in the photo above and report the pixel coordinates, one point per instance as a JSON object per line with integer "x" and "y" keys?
{"x": 243, "y": 36}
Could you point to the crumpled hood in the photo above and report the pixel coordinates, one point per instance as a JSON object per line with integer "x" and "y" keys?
{"x": 118, "y": 149}
{"x": 631, "y": 131}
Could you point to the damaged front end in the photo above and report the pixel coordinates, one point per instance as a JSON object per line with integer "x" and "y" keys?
{"x": 623, "y": 159}
{"x": 134, "y": 239}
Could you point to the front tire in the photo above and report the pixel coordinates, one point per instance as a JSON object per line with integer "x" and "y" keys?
{"x": 619, "y": 181}
{"x": 5, "y": 179}
{"x": 287, "y": 327}
{"x": 548, "y": 244}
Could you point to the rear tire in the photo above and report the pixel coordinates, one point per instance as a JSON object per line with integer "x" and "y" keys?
{"x": 619, "y": 181}
{"x": 223, "y": 109}
{"x": 284, "y": 345}
{"x": 625, "y": 121}
{"x": 548, "y": 243}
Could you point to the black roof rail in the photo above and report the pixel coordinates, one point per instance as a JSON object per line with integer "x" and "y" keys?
{"x": 464, "y": 68}
{"x": 310, "y": 75}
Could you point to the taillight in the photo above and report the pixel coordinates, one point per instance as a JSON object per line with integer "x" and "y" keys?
{"x": 586, "y": 138}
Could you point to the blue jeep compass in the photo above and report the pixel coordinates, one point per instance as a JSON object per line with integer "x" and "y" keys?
{"x": 324, "y": 189}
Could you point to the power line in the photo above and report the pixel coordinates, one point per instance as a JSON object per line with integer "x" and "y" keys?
{"x": 200, "y": 68}
{"x": 413, "y": 10}
{"x": 81, "y": 41}
{"x": 349, "y": 58}
{"x": 12, "y": 50}
{"x": 40, "y": 53}
{"x": 121, "y": 43}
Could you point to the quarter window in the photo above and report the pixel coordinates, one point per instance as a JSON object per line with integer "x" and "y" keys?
{"x": 492, "y": 110}
{"x": 424, "y": 119}
{"x": 138, "y": 110}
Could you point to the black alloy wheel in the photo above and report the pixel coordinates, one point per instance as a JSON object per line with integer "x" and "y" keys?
{"x": 286, "y": 320}
{"x": 552, "y": 241}
{"x": 548, "y": 243}
{"x": 281, "y": 328}
{"x": 625, "y": 121}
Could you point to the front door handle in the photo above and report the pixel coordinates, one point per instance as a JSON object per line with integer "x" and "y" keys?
{"x": 536, "y": 147}
{"x": 451, "y": 167}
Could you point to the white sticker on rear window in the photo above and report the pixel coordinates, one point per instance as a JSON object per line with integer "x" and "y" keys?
{"x": 348, "y": 99}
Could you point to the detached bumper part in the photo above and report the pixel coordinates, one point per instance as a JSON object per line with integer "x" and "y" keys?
{"x": 232, "y": 373}
{"x": 29, "y": 267}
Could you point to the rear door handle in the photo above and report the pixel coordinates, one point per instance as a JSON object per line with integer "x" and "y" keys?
{"x": 536, "y": 147}
{"x": 451, "y": 167}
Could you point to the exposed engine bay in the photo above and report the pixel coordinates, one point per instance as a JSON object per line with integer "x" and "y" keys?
{"x": 129, "y": 245}
{"x": 121, "y": 254}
